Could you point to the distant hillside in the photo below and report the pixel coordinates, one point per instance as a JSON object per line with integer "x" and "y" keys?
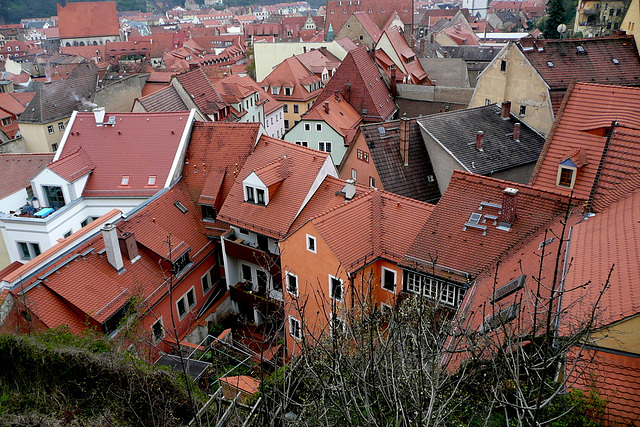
{"x": 12, "y": 11}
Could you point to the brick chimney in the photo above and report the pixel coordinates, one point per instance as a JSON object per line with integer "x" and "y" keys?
{"x": 404, "y": 140}
{"x": 509, "y": 207}
{"x": 394, "y": 85}
{"x": 347, "y": 92}
{"x": 423, "y": 43}
{"x": 516, "y": 131}
{"x": 326, "y": 107}
{"x": 110, "y": 237}
{"x": 480, "y": 140}
{"x": 505, "y": 112}
{"x": 128, "y": 245}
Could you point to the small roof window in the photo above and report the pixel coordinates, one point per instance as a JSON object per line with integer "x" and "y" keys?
{"x": 182, "y": 208}
{"x": 615, "y": 61}
{"x": 151, "y": 180}
{"x": 549, "y": 64}
{"x": 124, "y": 180}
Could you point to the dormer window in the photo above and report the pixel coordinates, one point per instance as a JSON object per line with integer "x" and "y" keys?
{"x": 566, "y": 176}
{"x": 249, "y": 193}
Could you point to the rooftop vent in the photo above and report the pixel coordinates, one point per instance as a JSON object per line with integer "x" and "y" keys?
{"x": 580, "y": 50}
{"x": 382, "y": 131}
{"x": 615, "y": 61}
{"x": 550, "y": 64}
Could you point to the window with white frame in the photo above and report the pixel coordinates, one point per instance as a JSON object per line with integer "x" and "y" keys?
{"x": 385, "y": 309}
{"x": 336, "y": 288}
{"x": 302, "y": 143}
{"x": 249, "y": 194}
{"x": 434, "y": 289}
{"x": 307, "y": 127}
{"x": 296, "y": 109}
{"x": 206, "y": 282}
{"x": 324, "y": 146}
{"x": 354, "y": 174}
{"x": 295, "y": 328}
{"x": 319, "y": 127}
{"x": 157, "y": 329}
{"x": 60, "y": 125}
{"x": 28, "y": 250}
{"x": 389, "y": 279}
{"x": 186, "y": 303}
{"x": 292, "y": 284}
{"x": 50, "y": 129}
{"x": 247, "y": 274}
{"x": 311, "y": 244}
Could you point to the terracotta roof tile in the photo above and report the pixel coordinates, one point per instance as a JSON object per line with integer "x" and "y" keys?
{"x": 15, "y": 103}
{"x": 88, "y": 19}
{"x": 165, "y": 99}
{"x": 368, "y": 90}
{"x": 73, "y": 165}
{"x": 198, "y": 86}
{"x": 276, "y": 218}
{"x": 464, "y": 250}
{"x": 316, "y": 60}
{"x": 407, "y": 56}
{"x": 583, "y": 124}
{"x": 371, "y": 220}
{"x": 340, "y": 116}
{"x": 154, "y": 137}
{"x": 369, "y": 26}
{"x": 411, "y": 180}
{"x": 594, "y": 65}
{"x": 338, "y": 12}
{"x": 16, "y": 170}
{"x": 292, "y": 73}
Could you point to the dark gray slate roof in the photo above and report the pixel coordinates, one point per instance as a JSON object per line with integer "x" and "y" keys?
{"x": 411, "y": 180}
{"x": 472, "y": 53}
{"x": 166, "y": 99}
{"x": 59, "y": 99}
{"x": 457, "y": 130}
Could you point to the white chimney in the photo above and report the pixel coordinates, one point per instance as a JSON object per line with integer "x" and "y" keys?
{"x": 112, "y": 246}
{"x": 98, "y": 114}
{"x": 349, "y": 189}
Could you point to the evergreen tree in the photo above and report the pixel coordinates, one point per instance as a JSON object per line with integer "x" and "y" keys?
{"x": 555, "y": 17}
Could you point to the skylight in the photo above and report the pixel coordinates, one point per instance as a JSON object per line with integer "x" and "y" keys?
{"x": 615, "y": 61}
{"x": 124, "y": 180}
{"x": 181, "y": 207}
{"x": 474, "y": 218}
{"x": 550, "y": 64}
{"x": 152, "y": 180}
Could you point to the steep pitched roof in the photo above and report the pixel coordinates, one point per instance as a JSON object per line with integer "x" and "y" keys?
{"x": 138, "y": 145}
{"x": 367, "y": 90}
{"x": 274, "y": 220}
{"x": 292, "y": 73}
{"x": 459, "y": 246}
{"x": 593, "y": 64}
{"x": 338, "y": 114}
{"x": 88, "y": 19}
{"x": 165, "y": 99}
{"x": 412, "y": 180}
{"x": 338, "y": 11}
{"x": 456, "y": 132}
{"x": 406, "y": 56}
{"x": 316, "y": 60}
{"x": 58, "y": 100}
{"x": 73, "y": 165}
{"x": 368, "y": 25}
{"x": 16, "y": 170}
{"x": 198, "y": 86}
{"x": 371, "y": 223}
{"x": 14, "y": 103}
{"x": 584, "y": 123}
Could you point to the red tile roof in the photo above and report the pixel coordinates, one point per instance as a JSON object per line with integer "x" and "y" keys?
{"x": 371, "y": 223}
{"x": 316, "y": 60}
{"x": 407, "y": 56}
{"x": 274, "y": 220}
{"x": 582, "y": 124}
{"x": 339, "y": 11}
{"x": 73, "y": 165}
{"x": 463, "y": 251}
{"x": 616, "y": 377}
{"x": 340, "y": 116}
{"x": 368, "y": 25}
{"x": 198, "y": 86}
{"x": 216, "y": 153}
{"x": 16, "y": 170}
{"x": 292, "y": 73}
{"x": 15, "y": 103}
{"x": 594, "y": 65}
{"x": 88, "y": 19}
{"x": 367, "y": 90}
{"x": 138, "y": 145}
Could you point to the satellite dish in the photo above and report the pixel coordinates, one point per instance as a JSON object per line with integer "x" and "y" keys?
{"x": 562, "y": 28}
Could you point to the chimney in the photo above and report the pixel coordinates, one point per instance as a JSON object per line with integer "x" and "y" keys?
{"x": 394, "y": 84}
{"x": 128, "y": 245}
{"x": 326, "y": 107}
{"x": 349, "y": 189}
{"x": 98, "y": 114}
{"x": 480, "y": 140}
{"x": 347, "y": 92}
{"x": 505, "y": 112}
{"x": 304, "y": 49}
{"x": 516, "y": 131}
{"x": 193, "y": 65}
{"x": 110, "y": 237}
{"x": 431, "y": 38}
{"x": 404, "y": 140}
{"x": 509, "y": 206}
{"x": 423, "y": 43}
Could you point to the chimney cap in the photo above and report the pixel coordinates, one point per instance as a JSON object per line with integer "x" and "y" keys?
{"x": 511, "y": 191}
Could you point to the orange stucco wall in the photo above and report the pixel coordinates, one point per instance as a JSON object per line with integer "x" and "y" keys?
{"x": 364, "y": 169}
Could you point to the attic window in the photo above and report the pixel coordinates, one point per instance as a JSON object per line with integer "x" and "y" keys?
{"x": 508, "y": 289}
{"x": 615, "y": 61}
{"x": 151, "y": 180}
{"x": 580, "y": 49}
{"x": 125, "y": 180}
{"x": 550, "y": 64}
{"x": 182, "y": 208}
{"x": 501, "y": 318}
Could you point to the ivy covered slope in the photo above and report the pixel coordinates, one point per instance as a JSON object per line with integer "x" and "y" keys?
{"x": 57, "y": 377}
